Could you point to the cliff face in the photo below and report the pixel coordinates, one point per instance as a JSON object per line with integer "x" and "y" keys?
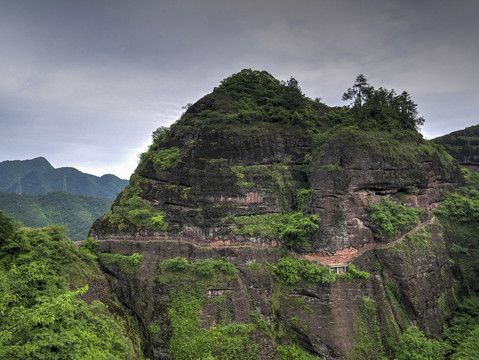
{"x": 462, "y": 145}
{"x": 222, "y": 189}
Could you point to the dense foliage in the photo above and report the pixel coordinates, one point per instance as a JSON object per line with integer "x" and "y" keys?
{"x": 253, "y": 97}
{"x": 414, "y": 345}
{"x": 131, "y": 213}
{"x": 291, "y": 271}
{"x": 41, "y": 318}
{"x": 391, "y": 217}
{"x": 459, "y": 213}
{"x": 202, "y": 267}
{"x": 76, "y": 212}
{"x": 381, "y": 109}
{"x": 292, "y": 228}
{"x": 259, "y": 100}
{"x": 188, "y": 283}
{"x": 128, "y": 264}
{"x": 462, "y": 144}
{"x": 395, "y": 146}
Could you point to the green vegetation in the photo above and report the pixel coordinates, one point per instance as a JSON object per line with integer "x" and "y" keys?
{"x": 461, "y": 144}
{"x": 204, "y": 267}
{"x": 413, "y": 344}
{"x": 459, "y": 215}
{"x": 163, "y": 159}
{"x": 293, "y": 229}
{"x": 302, "y": 195}
{"x": 367, "y": 335}
{"x": 254, "y": 266}
{"x": 412, "y": 243}
{"x": 255, "y": 98}
{"x": 128, "y": 264}
{"x": 391, "y": 217}
{"x": 293, "y": 352}
{"x": 39, "y": 177}
{"x": 462, "y": 207}
{"x": 395, "y": 146}
{"x": 188, "y": 284}
{"x": 131, "y": 213}
{"x": 166, "y": 159}
{"x": 381, "y": 108}
{"x": 189, "y": 341}
{"x": 76, "y": 212}
{"x": 280, "y": 175}
{"x": 353, "y": 273}
{"x": 41, "y": 318}
{"x": 462, "y": 332}
{"x": 291, "y": 271}
{"x": 394, "y": 297}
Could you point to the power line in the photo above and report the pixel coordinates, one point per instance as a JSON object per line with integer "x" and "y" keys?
{"x": 19, "y": 186}
{"x": 64, "y": 189}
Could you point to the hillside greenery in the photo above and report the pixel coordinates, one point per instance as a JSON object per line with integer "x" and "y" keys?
{"x": 39, "y": 177}
{"x": 11, "y": 170}
{"x": 76, "y": 212}
{"x": 131, "y": 213}
{"x": 42, "y": 276}
{"x": 255, "y": 98}
{"x": 391, "y": 217}
{"x": 461, "y": 144}
{"x": 291, "y": 228}
{"x": 459, "y": 213}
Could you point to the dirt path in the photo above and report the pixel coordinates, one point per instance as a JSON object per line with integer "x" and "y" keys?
{"x": 340, "y": 257}
{"x": 346, "y": 256}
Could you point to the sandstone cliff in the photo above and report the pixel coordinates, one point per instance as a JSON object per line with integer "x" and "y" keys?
{"x": 258, "y": 174}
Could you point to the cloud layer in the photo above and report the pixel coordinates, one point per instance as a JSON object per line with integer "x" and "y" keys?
{"x": 84, "y": 83}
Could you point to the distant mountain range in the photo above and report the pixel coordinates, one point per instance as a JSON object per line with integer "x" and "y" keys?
{"x": 77, "y": 212}
{"x": 37, "y": 194}
{"x": 38, "y": 176}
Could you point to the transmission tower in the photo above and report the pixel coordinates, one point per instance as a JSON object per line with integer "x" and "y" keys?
{"x": 19, "y": 186}
{"x": 64, "y": 189}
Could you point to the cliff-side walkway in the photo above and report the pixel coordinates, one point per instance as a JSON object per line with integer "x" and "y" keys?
{"x": 346, "y": 256}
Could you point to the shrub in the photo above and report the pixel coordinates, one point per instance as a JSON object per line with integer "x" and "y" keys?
{"x": 203, "y": 267}
{"x": 128, "y": 264}
{"x": 292, "y": 228}
{"x": 287, "y": 352}
{"x": 392, "y": 217}
{"x": 90, "y": 244}
{"x": 291, "y": 271}
{"x": 166, "y": 159}
{"x": 175, "y": 264}
{"x": 353, "y": 273}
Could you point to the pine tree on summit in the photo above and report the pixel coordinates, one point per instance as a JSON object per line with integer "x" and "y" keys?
{"x": 381, "y": 109}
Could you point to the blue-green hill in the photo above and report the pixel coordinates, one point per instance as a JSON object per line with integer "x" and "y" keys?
{"x": 77, "y": 212}
{"x": 38, "y": 176}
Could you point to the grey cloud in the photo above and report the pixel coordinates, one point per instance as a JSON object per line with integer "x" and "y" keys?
{"x": 86, "y": 82}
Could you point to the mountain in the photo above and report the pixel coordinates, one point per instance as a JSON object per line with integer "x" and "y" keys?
{"x": 77, "y": 212}
{"x": 463, "y": 145}
{"x": 11, "y": 170}
{"x": 39, "y": 177}
{"x": 272, "y": 226}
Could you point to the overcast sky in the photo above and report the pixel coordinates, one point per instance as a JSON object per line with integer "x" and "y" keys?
{"x": 84, "y": 83}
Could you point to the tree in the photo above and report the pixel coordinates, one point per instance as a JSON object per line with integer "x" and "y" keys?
{"x": 382, "y": 109}
{"x": 159, "y": 134}
{"x": 360, "y": 91}
{"x": 415, "y": 346}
